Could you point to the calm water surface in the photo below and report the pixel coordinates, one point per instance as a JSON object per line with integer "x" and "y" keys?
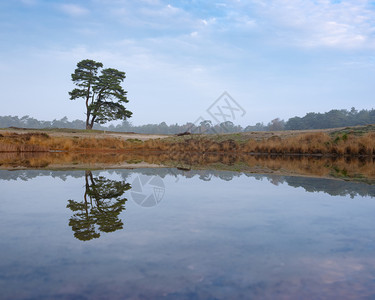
{"x": 169, "y": 234}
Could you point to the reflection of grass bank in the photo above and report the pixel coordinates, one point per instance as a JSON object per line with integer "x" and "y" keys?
{"x": 347, "y": 168}
{"x": 353, "y": 169}
{"x": 356, "y": 141}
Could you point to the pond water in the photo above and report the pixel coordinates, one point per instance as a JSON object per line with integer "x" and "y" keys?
{"x": 172, "y": 234}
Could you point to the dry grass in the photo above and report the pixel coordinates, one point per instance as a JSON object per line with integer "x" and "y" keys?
{"x": 13, "y": 142}
{"x": 317, "y": 143}
{"x": 37, "y": 142}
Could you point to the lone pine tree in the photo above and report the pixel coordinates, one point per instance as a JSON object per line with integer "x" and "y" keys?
{"x": 102, "y": 91}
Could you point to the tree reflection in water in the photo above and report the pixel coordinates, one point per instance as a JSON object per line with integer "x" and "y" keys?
{"x": 100, "y": 209}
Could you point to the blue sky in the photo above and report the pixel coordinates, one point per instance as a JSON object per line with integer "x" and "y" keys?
{"x": 276, "y": 58}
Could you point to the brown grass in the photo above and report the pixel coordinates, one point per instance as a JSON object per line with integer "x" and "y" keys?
{"x": 37, "y": 142}
{"x": 317, "y": 143}
{"x": 13, "y": 142}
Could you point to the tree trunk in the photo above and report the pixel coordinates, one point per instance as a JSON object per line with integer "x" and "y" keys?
{"x": 90, "y": 125}
{"x": 87, "y": 108}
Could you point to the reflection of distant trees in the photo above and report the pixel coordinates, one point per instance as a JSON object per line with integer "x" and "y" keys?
{"x": 226, "y": 176}
{"x": 275, "y": 179}
{"x": 25, "y": 175}
{"x": 329, "y": 186}
{"x": 205, "y": 176}
{"x": 100, "y": 209}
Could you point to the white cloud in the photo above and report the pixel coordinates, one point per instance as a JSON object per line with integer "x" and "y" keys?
{"x": 209, "y": 21}
{"x": 161, "y": 11}
{"x": 153, "y": 16}
{"x": 320, "y": 23}
{"x": 74, "y": 10}
{"x": 333, "y": 34}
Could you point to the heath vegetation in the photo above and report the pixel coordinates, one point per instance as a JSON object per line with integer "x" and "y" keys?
{"x": 337, "y": 143}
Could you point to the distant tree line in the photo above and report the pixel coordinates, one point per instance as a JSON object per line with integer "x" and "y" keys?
{"x": 29, "y": 122}
{"x": 331, "y": 119}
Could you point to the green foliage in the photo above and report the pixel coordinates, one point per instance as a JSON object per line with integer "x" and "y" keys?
{"x": 332, "y": 119}
{"x": 85, "y": 77}
{"x": 103, "y": 93}
{"x": 138, "y": 141}
{"x": 343, "y": 137}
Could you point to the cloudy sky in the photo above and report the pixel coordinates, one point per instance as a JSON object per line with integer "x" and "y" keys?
{"x": 276, "y": 58}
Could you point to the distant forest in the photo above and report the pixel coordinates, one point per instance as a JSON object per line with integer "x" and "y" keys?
{"x": 331, "y": 119}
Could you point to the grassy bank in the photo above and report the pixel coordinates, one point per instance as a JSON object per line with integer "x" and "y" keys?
{"x": 356, "y": 141}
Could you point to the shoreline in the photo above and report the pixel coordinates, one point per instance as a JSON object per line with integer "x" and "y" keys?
{"x": 344, "y": 168}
